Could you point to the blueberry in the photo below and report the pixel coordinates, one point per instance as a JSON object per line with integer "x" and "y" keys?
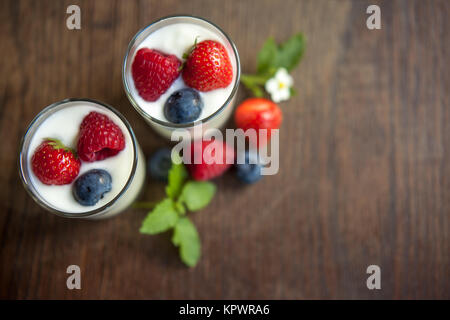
{"x": 183, "y": 106}
{"x": 160, "y": 163}
{"x": 90, "y": 187}
{"x": 249, "y": 172}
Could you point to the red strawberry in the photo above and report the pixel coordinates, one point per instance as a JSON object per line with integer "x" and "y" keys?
{"x": 258, "y": 113}
{"x": 209, "y": 167}
{"x": 53, "y": 163}
{"x": 100, "y": 138}
{"x": 208, "y": 67}
{"x": 154, "y": 72}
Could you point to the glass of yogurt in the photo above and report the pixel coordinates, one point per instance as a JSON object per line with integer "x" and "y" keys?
{"x": 174, "y": 35}
{"x": 61, "y": 121}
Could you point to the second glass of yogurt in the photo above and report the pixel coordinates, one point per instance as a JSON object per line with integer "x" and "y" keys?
{"x": 174, "y": 35}
{"x": 62, "y": 121}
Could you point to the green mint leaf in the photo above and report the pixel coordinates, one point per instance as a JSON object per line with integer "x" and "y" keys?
{"x": 290, "y": 52}
{"x": 267, "y": 57}
{"x": 161, "y": 218}
{"x": 177, "y": 176}
{"x": 197, "y": 195}
{"x": 185, "y": 236}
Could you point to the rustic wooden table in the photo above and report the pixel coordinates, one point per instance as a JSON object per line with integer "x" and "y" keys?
{"x": 365, "y": 157}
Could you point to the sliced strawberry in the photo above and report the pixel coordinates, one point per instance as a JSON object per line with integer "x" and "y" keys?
{"x": 154, "y": 72}
{"x": 100, "y": 138}
{"x": 53, "y": 163}
{"x": 208, "y": 67}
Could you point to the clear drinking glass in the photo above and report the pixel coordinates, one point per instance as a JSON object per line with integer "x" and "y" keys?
{"x": 165, "y": 128}
{"x": 120, "y": 202}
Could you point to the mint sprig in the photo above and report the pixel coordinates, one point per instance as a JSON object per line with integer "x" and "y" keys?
{"x": 170, "y": 213}
{"x": 272, "y": 57}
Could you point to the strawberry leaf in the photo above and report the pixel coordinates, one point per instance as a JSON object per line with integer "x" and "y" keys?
{"x": 290, "y": 52}
{"x": 57, "y": 144}
{"x": 267, "y": 57}
{"x": 287, "y": 55}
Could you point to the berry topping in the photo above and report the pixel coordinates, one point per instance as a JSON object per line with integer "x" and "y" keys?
{"x": 154, "y": 72}
{"x": 53, "y": 163}
{"x": 159, "y": 164}
{"x": 250, "y": 171}
{"x": 258, "y": 113}
{"x": 214, "y": 158}
{"x": 90, "y": 187}
{"x": 100, "y": 138}
{"x": 183, "y": 106}
{"x": 208, "y": 67}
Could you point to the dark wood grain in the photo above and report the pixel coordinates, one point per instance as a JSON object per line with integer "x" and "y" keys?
{"x": 365, "y": 158}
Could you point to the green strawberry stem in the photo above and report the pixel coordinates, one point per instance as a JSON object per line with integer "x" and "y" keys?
{"x": 187, "y": 54}
{"x": 189, "y": 51}
{"x": 254, "y": 82}
{"x": 255, "y": 78}
{"x": 57, "y": 144}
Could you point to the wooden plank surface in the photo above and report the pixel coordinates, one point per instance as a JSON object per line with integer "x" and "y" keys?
{"x": 364, "y": 166}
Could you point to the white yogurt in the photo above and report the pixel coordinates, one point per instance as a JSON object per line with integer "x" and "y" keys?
{"x": 176, "y": 39}
{"x": 64, "y": 125}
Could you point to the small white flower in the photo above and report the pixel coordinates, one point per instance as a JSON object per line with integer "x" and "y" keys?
{"x": 279, "y": 86}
